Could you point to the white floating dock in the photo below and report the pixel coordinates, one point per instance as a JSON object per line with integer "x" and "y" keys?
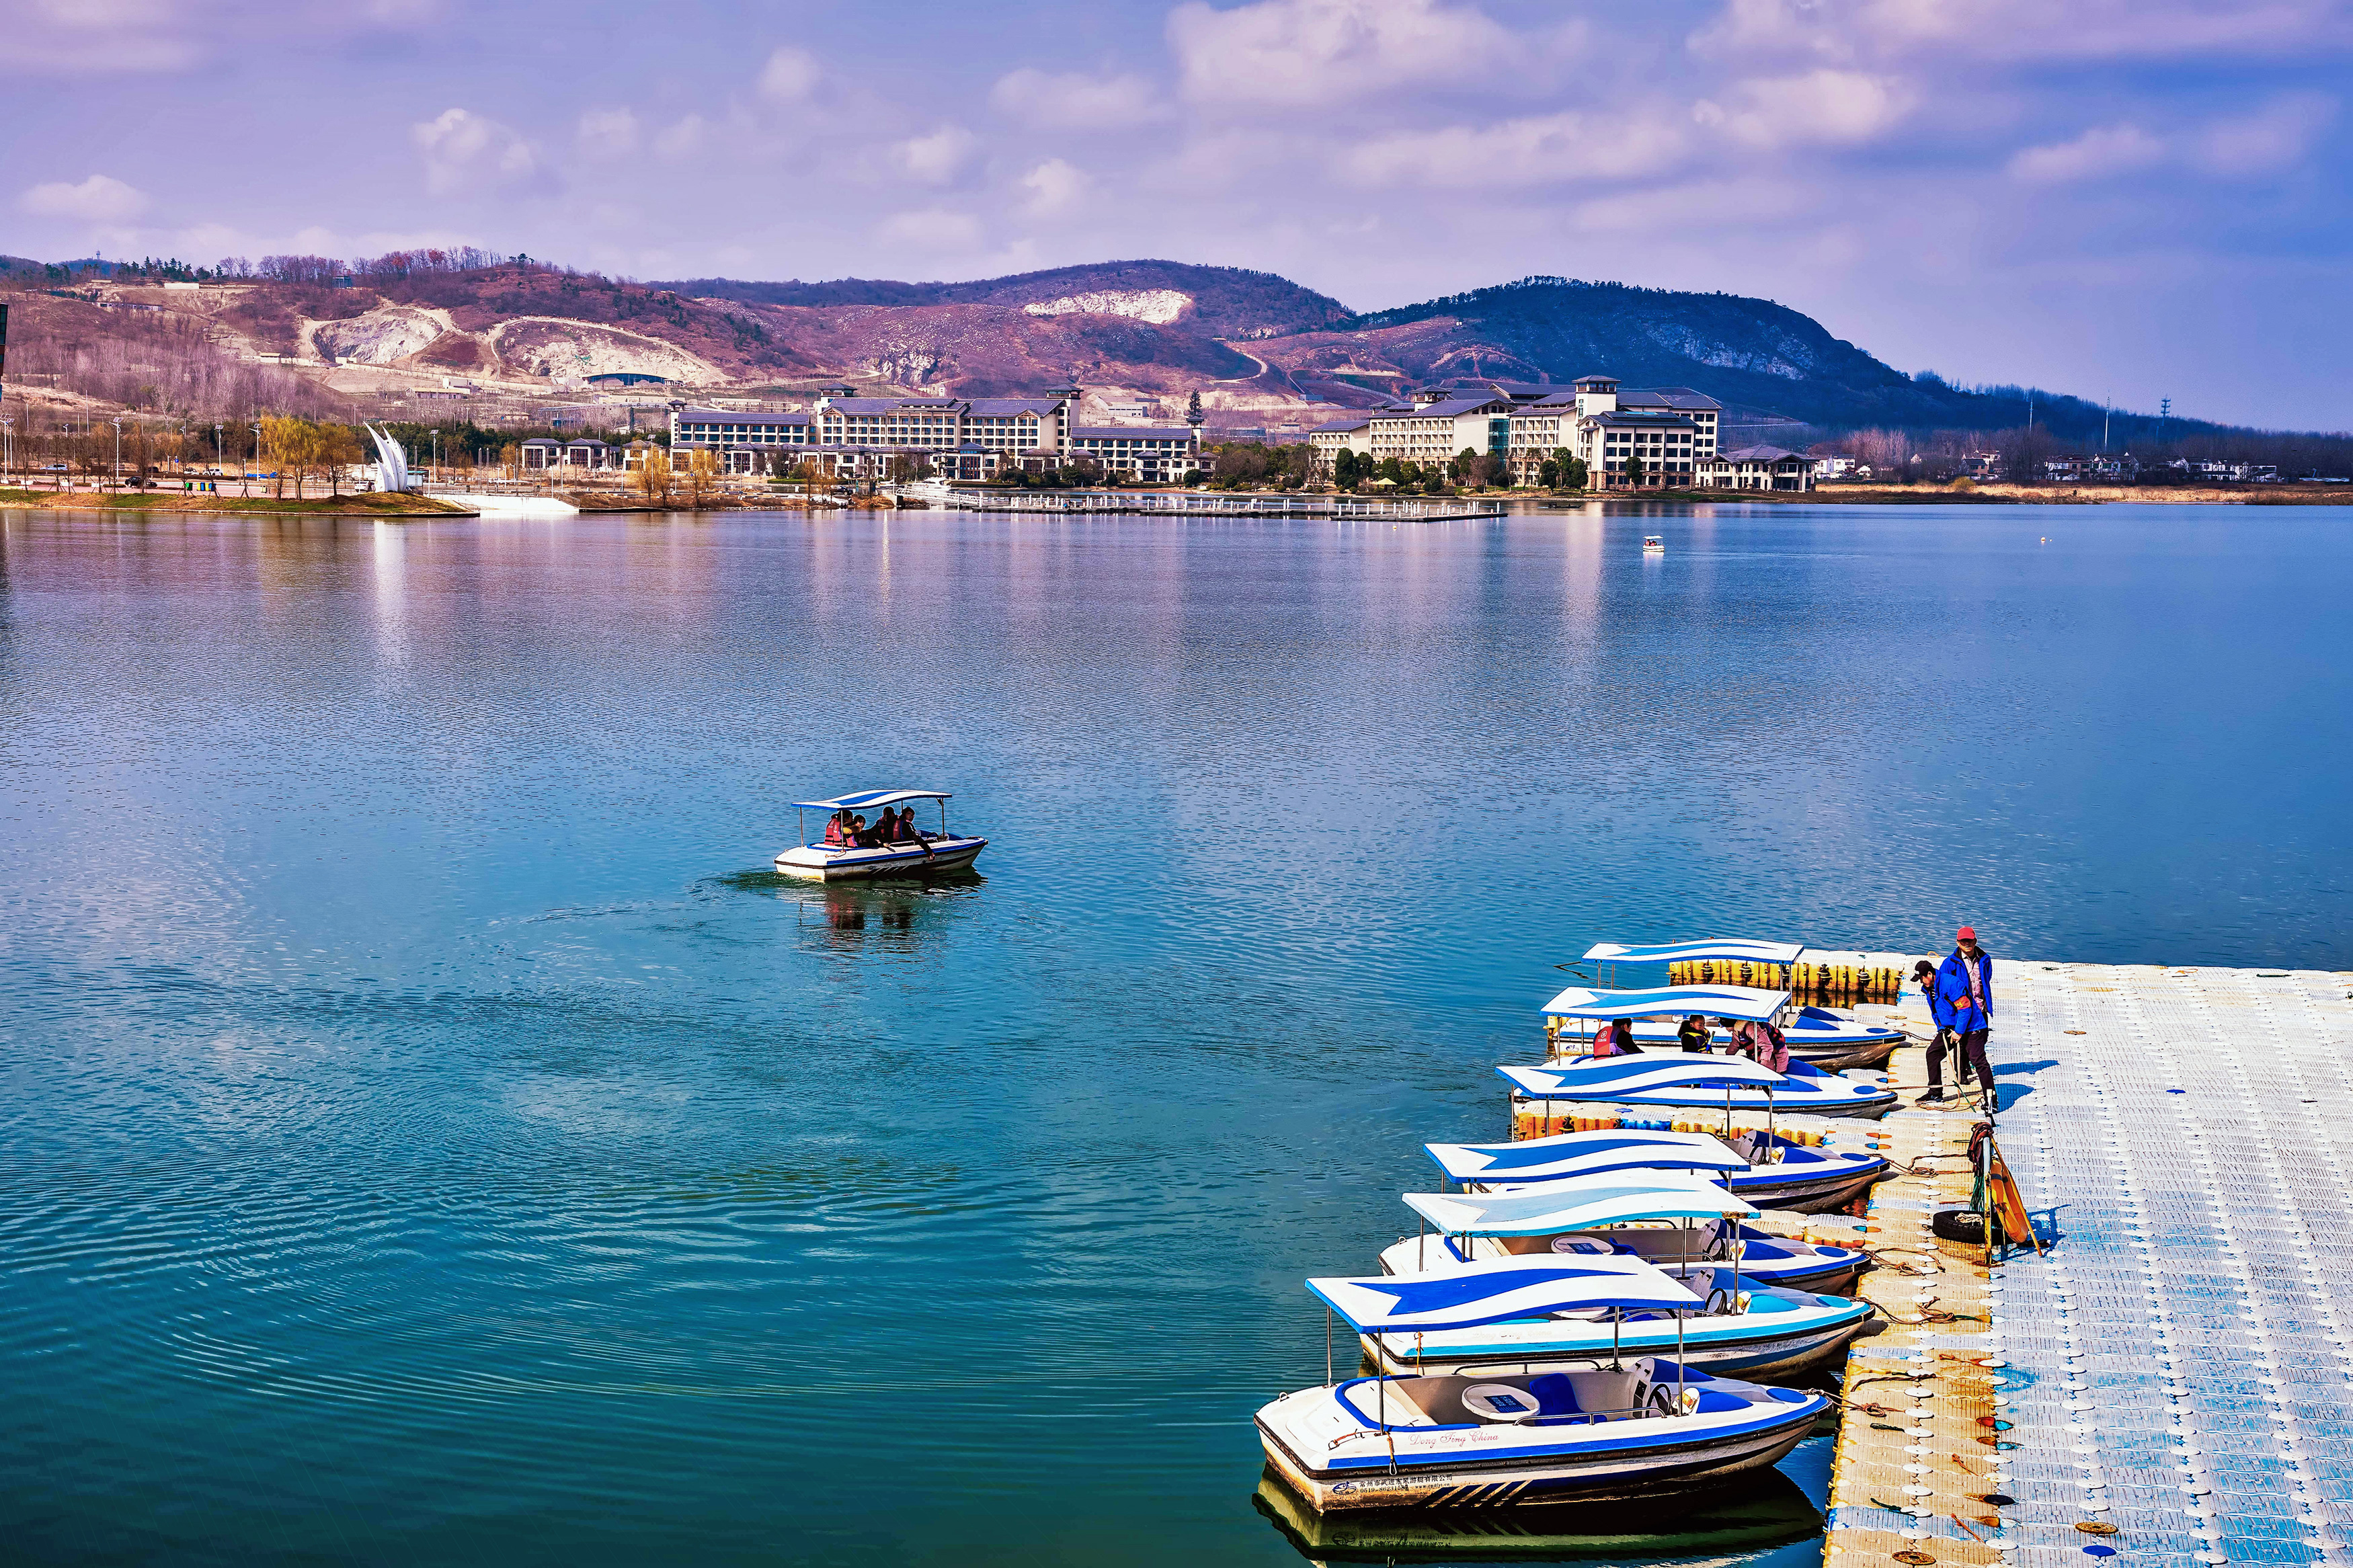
{"x": 2178, "y": 1365}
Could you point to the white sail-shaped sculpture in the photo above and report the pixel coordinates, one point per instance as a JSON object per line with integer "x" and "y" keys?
{"x": 391, "y": 462}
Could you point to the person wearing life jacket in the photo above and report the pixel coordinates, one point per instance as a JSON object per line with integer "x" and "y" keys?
{"x": 1616, "y": 1038}
{"x": 833, "y": 828}
{"x": 1965, "y": 985}
{"x": 1693, "y": 1034}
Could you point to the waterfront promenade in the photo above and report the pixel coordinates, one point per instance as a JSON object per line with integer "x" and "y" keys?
{"x": 2175, "y": 1369}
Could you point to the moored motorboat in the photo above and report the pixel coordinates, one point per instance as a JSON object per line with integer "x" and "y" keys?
{"x": 1514, "y": 1437}
{"x": 1827, "y": 1038}
{"x": 1687, "y": 1227}
{"x": 864, "y": 856}
{"x": 1772, "y": 1173}
{"x": 1698, "y": 1082}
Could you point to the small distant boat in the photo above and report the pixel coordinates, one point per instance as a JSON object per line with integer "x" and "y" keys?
{"x": 1509, "y": 1436}
{"x": 1684, "y": 1226}
{"x": 926, "y": 854}
{"x": 1771, "y": 1172}
{"x": 1653, "y": 545}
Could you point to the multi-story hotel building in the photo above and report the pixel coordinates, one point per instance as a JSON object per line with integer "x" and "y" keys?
{"x": 1433, "y": 431}
{"x": 964, "y": 438}
{"x": 1671, "y": 428}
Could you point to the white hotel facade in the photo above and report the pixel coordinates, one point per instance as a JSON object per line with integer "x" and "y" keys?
{"x": 1670, "y": 429}
{"x": 960, "y": 438}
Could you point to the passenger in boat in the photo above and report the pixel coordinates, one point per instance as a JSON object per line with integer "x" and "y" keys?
{"x": 1964, "y": 984}
{"x": 1693, "y": 1034}
{"x": 836, "y": 828}
{"x": 1616, "y": 1038}
{"x": 906, "y": 833}
{"x": 886, "y": 832}
{"x": 861, "y": 834}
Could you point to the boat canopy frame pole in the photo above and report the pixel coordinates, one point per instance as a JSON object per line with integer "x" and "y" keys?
{"x": 944, "y": 818}
{"x": 801, "y": 817}
{"x": 1327, "y": 1347}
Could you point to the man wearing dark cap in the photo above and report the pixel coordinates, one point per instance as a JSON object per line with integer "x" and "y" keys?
{"x": 1965, "y": 986}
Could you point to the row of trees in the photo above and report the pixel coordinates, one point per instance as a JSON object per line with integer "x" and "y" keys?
{"x": 1468, "y": 467}
{"x": 2019, "y": 453}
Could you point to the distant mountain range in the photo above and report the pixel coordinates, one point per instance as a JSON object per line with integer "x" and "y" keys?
{"x": 1258, "y": 348}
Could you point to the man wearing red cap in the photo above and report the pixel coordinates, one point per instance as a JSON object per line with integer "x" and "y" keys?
{"x": 1965, "y": 986}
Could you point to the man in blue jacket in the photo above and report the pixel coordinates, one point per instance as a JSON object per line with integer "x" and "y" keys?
{"x": 1965, "y": 987}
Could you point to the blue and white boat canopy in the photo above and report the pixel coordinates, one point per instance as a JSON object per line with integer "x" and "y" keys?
{"x": 1576, "y": 1206}
{"x": 1742, "y": 1001}
{"x": 1741, "y": 949}
{"x": 871, "y": 800}
{"x": 1580, "y": 1154}
{"x": 1496, "y": 1293}
{"x": 1605, "y": 1078}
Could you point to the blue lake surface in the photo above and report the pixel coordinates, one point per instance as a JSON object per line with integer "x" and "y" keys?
{"x": 432, "y": 1134}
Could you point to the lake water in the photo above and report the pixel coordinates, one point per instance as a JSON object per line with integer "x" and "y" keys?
{"x": 432, "y": 1134}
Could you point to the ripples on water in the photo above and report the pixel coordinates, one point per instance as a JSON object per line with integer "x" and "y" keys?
{"x": 433, "y": 1132}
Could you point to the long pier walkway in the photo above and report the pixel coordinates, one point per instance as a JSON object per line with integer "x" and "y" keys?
{"x": 1189, "y": 503}
{"x": 2171, "y": 1383}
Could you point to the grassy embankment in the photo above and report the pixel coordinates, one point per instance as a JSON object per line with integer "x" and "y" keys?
{"x": 372, "y": 504}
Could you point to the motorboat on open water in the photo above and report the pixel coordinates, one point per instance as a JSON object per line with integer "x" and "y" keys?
{"x": 926, "y": 854}
{"x": 1685, "y": 1225}
{"x": 1826, "y": 1037}
{"x": 1770, "y": 1172}
{"x": 1492, "y": 1436}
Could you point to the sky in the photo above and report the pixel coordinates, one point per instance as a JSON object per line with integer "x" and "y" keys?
{"x": 2124, "y": 200}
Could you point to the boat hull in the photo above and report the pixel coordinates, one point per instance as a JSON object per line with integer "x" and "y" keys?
{"x": 1865, "y": 1108}
{"x": 1810, "y": 1193}
{"x": 1522, "y": 1481}
{"x": 818, "y": 863}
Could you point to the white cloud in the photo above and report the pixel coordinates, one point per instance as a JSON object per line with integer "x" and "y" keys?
{"x": 1820, "y": 108}
{"x": 1076, "y": 102}
{"x": 1706, "y": 207}
{"x": 678, "y": 139}
{"x": 2101, "y": 151}
{"x": 609, "y": 132}
{"x": 1543, "y": 149}
{"x": 1302, "y": 54}
{"x": 97, "y": 37}
{"x": 100, "y": 199}
{"x": 935, "y": 159}
{"x": 1054, "y": 185}
{"x": 465, "y": 151}
{"x": 2023, "y": 29}
{"x": 790, "y": 76}
{"x": 931, "y": 229}
{"x": 2279, "y": 135}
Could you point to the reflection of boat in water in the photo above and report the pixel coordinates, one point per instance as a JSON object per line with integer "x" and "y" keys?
{"x": 926, "y": 854}
{"x": 1717, "y": 1527}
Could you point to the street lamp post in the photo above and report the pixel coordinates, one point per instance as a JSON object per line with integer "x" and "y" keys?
{"x": 118, "y": 452}
{"x": 244, "y": 483}
{"x": 220, "y": 458}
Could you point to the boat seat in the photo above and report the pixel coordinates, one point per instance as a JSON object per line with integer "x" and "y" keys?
{"x": 1555, "y": 1396}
